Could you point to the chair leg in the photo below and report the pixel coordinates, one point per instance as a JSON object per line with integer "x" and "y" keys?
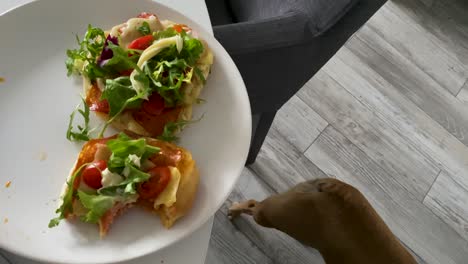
{"x": 260, "y": 126}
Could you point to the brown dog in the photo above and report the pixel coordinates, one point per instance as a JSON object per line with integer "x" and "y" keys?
{"x": 333, "y": 217}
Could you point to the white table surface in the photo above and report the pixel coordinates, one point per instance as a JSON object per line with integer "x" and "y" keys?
{"x": 192, "y": 249}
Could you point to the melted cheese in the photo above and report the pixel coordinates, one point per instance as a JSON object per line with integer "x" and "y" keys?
{"x": 102, "y": 152}
{"x": 159, "y": 45}
{"x": 128, "y": 32}
{"x": 110, "y": 179}
{"x": 135, "y": 160}
{"x": 168, "y": 196}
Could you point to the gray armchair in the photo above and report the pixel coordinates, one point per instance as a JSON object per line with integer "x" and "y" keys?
{"x": 278, "y": 45}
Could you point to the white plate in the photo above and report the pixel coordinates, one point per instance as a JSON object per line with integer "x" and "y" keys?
{"x": 35, "y": 102}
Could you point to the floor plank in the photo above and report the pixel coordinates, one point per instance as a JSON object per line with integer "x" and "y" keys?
{"x": 425, "y": 50}
{"x": 463, "y": 95}
{"x": 372, "y": 134}
{"x": 445, "y": 24}
{"x": 281, "y": 165}
{"x": 299, "y": 123}
{"x": 454, "y": 10}
{"x": 410, "y": 80}
{"x": 414, "y": 224}
{"x": 448, "y": 199}
{"x": 387, "y": 102}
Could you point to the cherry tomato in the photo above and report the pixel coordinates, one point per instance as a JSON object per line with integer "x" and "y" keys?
{"x": 146, "y": 15}
{"x": 178, "y": 28}
{"x": 181, "y": 27}
{"x": 158, "y": 181}
{"x": 141, "y": 43}
{"x": 154, "y": 105}
{"x": 92, "y": 174}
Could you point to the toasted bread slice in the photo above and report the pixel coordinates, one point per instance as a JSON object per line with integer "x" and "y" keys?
{"x": 170, "y": 155}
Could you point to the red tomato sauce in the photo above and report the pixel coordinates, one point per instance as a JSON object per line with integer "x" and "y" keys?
{"x": 94, "y": 102}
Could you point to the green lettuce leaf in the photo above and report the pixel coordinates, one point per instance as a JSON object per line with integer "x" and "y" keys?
{"x": 97, "y": 205}
{"x": 191, "y": 50}
{"x": 169, "y": 69}
{"x": 123, "y": 146}
{"x": 120, "y": 162}
{"x": 83, "y": 59}
{"x": 167, "y": 33}
{"x": 118, "y": 93}
{"x": 171, "y": 128}
{"x": 168, "y": 77}
{"x": 67, "y": 200}
{"x": 144, "y": 29}
{"x": 199, "y": 74}
{"x": 122, "y": 59}
{"x": 82, "y": 134}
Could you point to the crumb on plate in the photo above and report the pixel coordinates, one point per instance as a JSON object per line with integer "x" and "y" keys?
{"x": 2, "y": 79}
{"x": 7, "y": 184}
{"x": 5, "y": 220}
{"x": 42, "y": 156}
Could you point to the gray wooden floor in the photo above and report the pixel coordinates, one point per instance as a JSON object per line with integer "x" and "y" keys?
{"x": 389, "y": 115}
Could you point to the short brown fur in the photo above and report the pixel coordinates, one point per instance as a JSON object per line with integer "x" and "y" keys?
{"x": 333, "y": 217}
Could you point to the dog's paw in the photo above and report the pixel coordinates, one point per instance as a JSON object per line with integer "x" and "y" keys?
{"x": 246, "y": 207}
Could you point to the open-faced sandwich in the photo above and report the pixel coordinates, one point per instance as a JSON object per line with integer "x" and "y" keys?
{"x": 114, "y": 174}
{"x": 143, "y": 74}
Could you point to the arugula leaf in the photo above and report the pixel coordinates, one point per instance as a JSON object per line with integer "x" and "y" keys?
{"x": 97, "y": 205}
{"x": 83, "y": 131}
{"x": 67, "y": 203}
{"x": 120, "y": 95}
{"x": 83, "y": 59}
{"x": 169, "y": 69}
{"x": 122, "y": 59}
{"x": 123, "y": 146}
{"x": 117, "y": 92}
{"x": 144, "y": 29}
{"x": 192, "y": 50}
{"x": 122, "y": 161}
{"x": 94, "y": 40}
{"x": 168, "y": 78}
{"x": 167, "y": 33}
{"x": 172, "y": 127}
{"x": 200, "y": 75}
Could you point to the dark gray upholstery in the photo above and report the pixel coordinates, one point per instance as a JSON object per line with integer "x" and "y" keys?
{"x": 223, "y": 14}
{"x": 321, "y": 14}
{"x": 278, "y": 45}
